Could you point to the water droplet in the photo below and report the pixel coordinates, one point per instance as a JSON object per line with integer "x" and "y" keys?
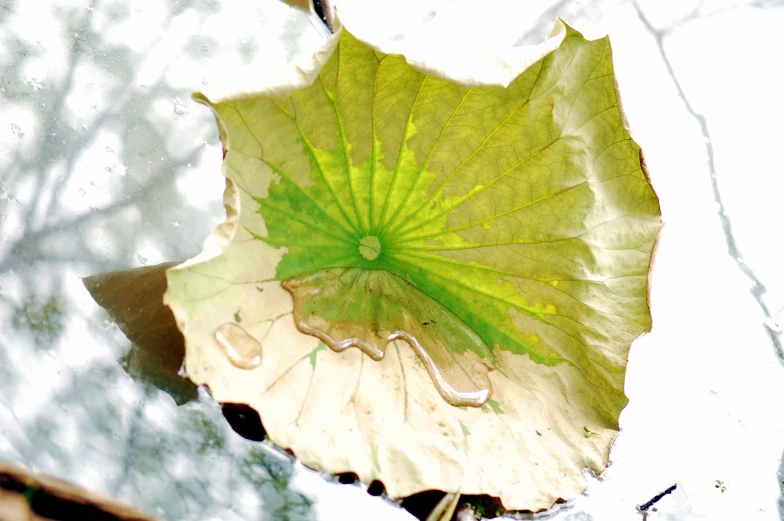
{"x": 83, "y": 191}
{"x": 460, "y": 379}
{"x": 204, "y": 82}
{"x": 17, "y": 130}
{"x": 109, "y": 149}
{"x": 447, "y": 392}
{"x": 142, "y": 260}
{"x": 90, "y": 8}
{"x": 179, "y": 107}
{"x": 35, "y": 84}
{"x": 176, "y": 223}
{"x": 239, "y": 346}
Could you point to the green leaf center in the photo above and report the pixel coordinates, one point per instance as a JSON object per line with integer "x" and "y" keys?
{"x": 370, "y": 247}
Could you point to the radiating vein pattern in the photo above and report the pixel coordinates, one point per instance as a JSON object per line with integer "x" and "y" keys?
{"x": 525, "y": 211}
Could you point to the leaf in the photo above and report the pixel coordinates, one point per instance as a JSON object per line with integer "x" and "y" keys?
{"x": 25, "y": 496}
{"x": 381, "y": 196}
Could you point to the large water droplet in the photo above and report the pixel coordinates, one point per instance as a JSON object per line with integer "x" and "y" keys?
{"x": 239, "y": 346}
{"x": 385, "y": 308}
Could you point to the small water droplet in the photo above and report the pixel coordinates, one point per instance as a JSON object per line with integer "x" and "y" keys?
{"x": 204, "y": 82}
{"x": 17, "y": 130}
{"x": 142, "y": 260}
{"x": 176, "y": 223}
{"x": 239, "y": 346}
{"x": 90, "y": 8}
{"x": 179, "y": 107}
{"x": 35, "y": 84}
{"x": 109, "y": 149}
{"x": 83, "y": 191}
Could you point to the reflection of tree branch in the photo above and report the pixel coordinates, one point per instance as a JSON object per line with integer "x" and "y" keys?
{"x": 56, "y": 233}
{"x": 758, "y": 289}
{"x": 118, "y": 98}
{"x": 130, "y": 449}
{"x": 31, "y": 238}
{"x": 54, "y": 117}
{"x": 546, "y": 18}
{"x": 698, "y": 14}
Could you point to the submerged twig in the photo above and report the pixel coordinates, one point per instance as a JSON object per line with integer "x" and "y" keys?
{"x": 655, "y": 499}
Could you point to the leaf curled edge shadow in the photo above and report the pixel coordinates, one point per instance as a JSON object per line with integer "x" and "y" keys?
{"x": 520, "y": 206}
{"x": 134, "y": 300}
